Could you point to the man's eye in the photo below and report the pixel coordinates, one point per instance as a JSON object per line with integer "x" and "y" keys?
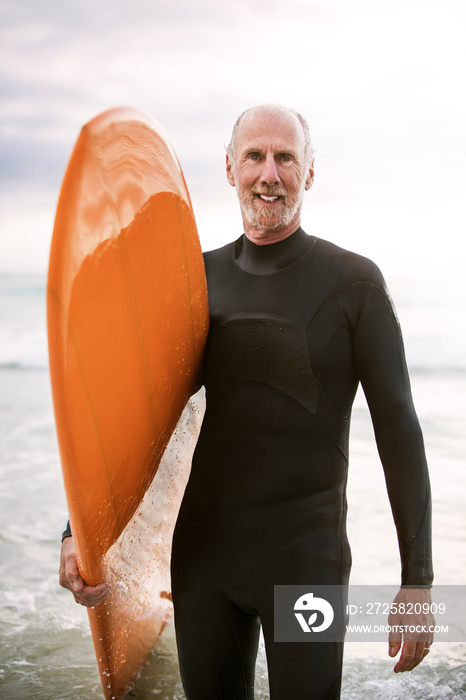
{"x": 253, "y": 156}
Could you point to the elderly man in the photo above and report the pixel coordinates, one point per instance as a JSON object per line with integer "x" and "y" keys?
{"x": 296, "y": 324}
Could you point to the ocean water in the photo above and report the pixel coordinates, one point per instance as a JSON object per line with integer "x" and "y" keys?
{"x": 46, "y": 650}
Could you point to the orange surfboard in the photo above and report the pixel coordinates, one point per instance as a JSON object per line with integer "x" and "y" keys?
{"x": 127, "y": 324}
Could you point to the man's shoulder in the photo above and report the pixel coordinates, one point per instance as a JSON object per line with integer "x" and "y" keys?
{"x": 351, "y": 266}
{"x": 225, "y": 252}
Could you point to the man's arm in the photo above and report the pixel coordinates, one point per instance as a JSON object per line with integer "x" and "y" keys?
{"x": 70, "y": 578}
{"x": 381, "y": 366}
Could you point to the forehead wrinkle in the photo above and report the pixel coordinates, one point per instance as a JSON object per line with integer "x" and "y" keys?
{"x": 251, "y": 137}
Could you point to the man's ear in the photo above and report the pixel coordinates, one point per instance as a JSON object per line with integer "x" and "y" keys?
{"x": 310, "y": 177}
{"x": 230, "y": 172}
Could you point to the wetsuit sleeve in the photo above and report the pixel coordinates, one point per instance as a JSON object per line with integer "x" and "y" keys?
{"x": 381, "y": 367}
{"x": 66, "y": 532}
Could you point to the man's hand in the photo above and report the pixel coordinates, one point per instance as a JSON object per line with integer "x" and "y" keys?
{"x": 90, "y": 596}
{"x": 412, "y": 610}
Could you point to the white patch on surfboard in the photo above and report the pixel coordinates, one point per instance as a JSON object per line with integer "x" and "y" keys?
{"x": 138, "y": 563}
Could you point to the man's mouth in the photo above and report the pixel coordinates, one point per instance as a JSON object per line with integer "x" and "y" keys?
{"x": 268, "y": 199}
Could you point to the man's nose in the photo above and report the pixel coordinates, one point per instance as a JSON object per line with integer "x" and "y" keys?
{"x": 269, "y": 172}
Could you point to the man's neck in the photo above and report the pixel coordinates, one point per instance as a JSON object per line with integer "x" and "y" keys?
{"x": 263, "y": 237}
{"x": 264, "y": 259}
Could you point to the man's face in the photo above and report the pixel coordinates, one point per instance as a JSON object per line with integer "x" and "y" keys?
{"x": 270, "y": 174}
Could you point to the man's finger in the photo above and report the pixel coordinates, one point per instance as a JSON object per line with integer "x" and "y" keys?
{"x": 91, "y": 596}
{"x": 411, "y": 655}
{"x": 406, "y": 659}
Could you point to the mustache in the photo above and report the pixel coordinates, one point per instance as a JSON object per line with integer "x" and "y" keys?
{"x": 270, "y": 191}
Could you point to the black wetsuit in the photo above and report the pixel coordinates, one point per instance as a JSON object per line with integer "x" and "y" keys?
{"x": 294, "y": 327}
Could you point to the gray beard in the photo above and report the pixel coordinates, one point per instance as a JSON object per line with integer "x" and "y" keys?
{"x": 264, "y": 218}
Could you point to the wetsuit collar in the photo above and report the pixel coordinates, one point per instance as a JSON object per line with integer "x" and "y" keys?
{"x": 264, "y": 259}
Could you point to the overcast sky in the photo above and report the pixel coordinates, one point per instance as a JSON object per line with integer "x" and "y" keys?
{"x": 381, "y": 84}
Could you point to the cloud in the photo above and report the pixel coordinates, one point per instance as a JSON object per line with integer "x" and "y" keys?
{"x": 378, "y": 82}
